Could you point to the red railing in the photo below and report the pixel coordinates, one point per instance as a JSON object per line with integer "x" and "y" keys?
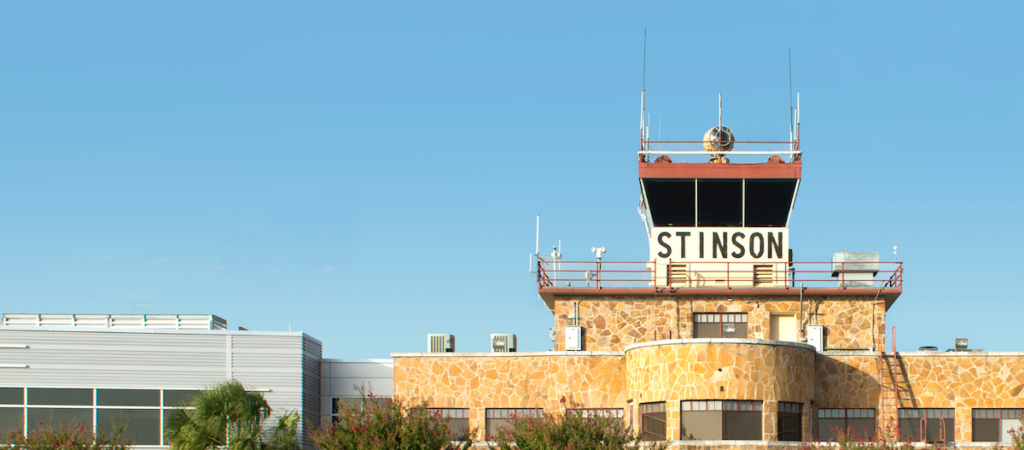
{"x": 719, "y": 275}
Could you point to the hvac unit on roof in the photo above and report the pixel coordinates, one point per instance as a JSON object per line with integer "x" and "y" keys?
{"x": 503, "y": 343}
{"x": 441, "y": 343}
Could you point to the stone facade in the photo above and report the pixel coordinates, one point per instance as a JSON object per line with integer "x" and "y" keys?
{"x": 640, "y": 349}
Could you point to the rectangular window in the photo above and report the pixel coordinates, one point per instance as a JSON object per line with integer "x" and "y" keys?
{"x": 720, "y": 325}
{"x": 858, "y": 421}
{"x": 929, "y": 425}
{"x": 52, "y": 418}
{"x": 790, "y": 424}
{"x": 611, "y": 413}
{"x": 652, "y": 421}
{"x": 141, "y": 425}
{"x": 719, "y": 203}
{"x": 127, "y": 397}
{"x": 458, "y": 421}
{"x": 994, "y": 425}
{"x": 738, "y": 420}
{"x": 501, "y": 418}
{"x": 12, "y": 396}
{"x": 65, "y": 397}
{"x": 178, "y": 398}
{"x": 11, "y": 419}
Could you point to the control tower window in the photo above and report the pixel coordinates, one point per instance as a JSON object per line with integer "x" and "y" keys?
{"x": 720, "y": 203}
{"x": 768, "y": 202}
{"x": 671, "y": 202}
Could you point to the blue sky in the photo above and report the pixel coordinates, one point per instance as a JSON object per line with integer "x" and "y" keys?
{"x": 370, "y": 173}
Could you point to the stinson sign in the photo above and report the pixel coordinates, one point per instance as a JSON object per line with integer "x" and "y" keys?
{"x": 720, "y": 244}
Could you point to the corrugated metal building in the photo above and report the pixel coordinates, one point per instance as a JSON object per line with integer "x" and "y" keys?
{"x": 91, "y": 368}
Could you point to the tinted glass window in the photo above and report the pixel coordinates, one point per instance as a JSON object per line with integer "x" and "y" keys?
{"x": 985, "y": 430}
{"x": 177, "y": 398}
{"x": 719, "y": 203}
{"x": 127, "y": 397}
{"x": 768, "y": 202}
{"x": 671, "y": 202}
{"x": 53, "y": 417}
{"x": 741, "y": 425}
{"x": 10, "y": 419}
{"x": 142, "y": 425}
{"x": 702, "y": 425}
{"x": 69, "y": 397}
{"x": 12, "y": 396}
{"x": 789, "y": 427}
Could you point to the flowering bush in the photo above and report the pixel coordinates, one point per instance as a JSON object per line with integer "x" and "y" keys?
{"x": 76, "y": 437}
{"x": 572, "y": 429}
{"x": 385, "y": 424}
{"x": 1017, "y": 436}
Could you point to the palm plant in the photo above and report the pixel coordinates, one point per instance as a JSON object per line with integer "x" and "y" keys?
{"x": 230, "y": 417}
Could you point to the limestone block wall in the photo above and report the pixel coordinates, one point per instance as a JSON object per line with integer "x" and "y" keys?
{"x": 512, "y": 380}
{"x": 721, "y": 369}
{"x": 612, "y": 324}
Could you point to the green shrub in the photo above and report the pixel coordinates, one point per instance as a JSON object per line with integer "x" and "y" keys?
{"x": 76, "y": 437}
{"x": 571, "y": 429}
{"x": 227, "y": 416}
{"x": 385, "y": 424}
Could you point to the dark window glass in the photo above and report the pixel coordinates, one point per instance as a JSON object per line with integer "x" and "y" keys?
{"x": 64, "y": 397}
{"x": 671, "y": 202}
{"x": 177, "y": 398}
{"x": 927, "y": 424}
{"x": 741, "y": 425}
{"x": 11, "y": 419}
{"x": 500, "y": 418}
{"x": 12, "y": 396}
{"x": 142, "y": 425}
{"x": 724, "y": 325}
{"x": 127, "y": 397}
{"x": 652, "y": 421}
{"x": 53, "y": 417}
{"x": 790, "y": 422}
{"x": 985, "y": 430}
{"x": 768, "y": 202}
{"x": 719, "y": 203}
{"x": 855, "y": 420}
{"x": 458, "y": 422}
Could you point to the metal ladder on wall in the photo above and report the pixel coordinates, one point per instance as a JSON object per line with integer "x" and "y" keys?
{"x": 894, "y": 383}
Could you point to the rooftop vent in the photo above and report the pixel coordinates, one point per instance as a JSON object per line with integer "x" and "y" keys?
{"x": 855, "y": 269}
{"x": 159, "y": 321}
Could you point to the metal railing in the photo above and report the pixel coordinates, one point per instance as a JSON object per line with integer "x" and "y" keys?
{"x": 718, "y": 275}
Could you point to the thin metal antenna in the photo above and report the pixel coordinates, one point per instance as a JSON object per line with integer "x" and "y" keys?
{"x": 719, "y": 112}
{"x": 791, "y": 100}
{"x": 536, "y": 250}
{"x": 643, "y": 92}
{"x": 645, "y": 60}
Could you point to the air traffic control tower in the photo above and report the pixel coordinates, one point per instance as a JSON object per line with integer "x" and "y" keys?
{"x": 721, "y": 335}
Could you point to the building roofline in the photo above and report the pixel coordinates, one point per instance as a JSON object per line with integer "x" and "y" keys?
{"x": 160, "y": 331}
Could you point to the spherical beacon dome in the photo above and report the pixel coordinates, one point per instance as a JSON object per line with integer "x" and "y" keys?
{"x": 719, "y": 139}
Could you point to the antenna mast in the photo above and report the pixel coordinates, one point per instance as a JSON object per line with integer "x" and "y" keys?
{"x": 643, "y": 92}
{"x": 791, "y": 102}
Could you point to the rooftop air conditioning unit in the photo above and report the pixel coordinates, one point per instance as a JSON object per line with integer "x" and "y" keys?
{"x": 503, "y": 343}
{"x": 855, "y": 269}
{"x": 441, "y": 343}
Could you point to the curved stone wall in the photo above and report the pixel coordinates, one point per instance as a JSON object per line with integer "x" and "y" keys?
{"x": 721, "y": 369}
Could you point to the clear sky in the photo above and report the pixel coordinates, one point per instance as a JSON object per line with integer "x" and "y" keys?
{"x": 370, "y": 172}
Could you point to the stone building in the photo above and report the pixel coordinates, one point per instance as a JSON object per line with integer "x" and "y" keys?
{"x": 721, "y": 335}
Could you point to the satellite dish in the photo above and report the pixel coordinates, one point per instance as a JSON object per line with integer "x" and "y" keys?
{"x": 719, "y": 139}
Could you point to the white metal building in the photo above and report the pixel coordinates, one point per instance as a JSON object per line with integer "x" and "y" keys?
{"x": 93, "y": 368}
{"x": 340, "y": 381}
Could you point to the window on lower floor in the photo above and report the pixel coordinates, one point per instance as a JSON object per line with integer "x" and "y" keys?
{"x": 458, "y": 421}
{"x": 41, "y": 418}
{"x": 611, "y": 413}
{"x": 141, "y": 425}
{"x": 501, "y": 418}
{"x": 856, "y": 421}
{"x": 738, "y": 420}
{"x": 11, "y": 419}
{"x": 716, "y": 325}
{"x": 994, "y": 425}
{"x": 652, "y": 421}
{"x": 790, "y": 424}
{"x": 927, "y": 424}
